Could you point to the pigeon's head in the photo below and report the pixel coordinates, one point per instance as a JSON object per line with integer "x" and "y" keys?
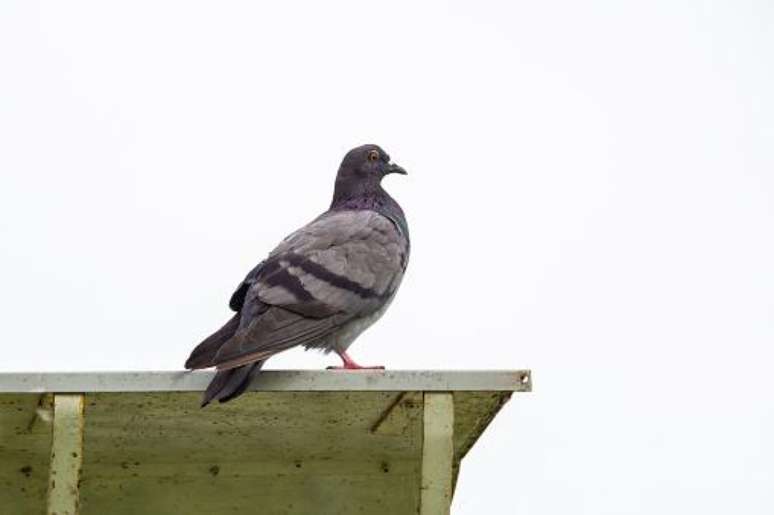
{"x": 367, "y": 164}
{"x": 358, "y": 183}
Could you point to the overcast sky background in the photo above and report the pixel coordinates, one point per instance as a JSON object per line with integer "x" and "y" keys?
{"x": 590, "y": 195}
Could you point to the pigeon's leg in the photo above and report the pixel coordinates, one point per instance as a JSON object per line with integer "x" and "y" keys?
{"x": 349, "y": 363}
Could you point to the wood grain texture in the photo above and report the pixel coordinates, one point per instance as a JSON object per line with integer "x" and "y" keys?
{"x": 66, "y": 455}
{"x": 280, "y": 452}
{"x": 271, "y": 380}
{"x": 437, "y": 454}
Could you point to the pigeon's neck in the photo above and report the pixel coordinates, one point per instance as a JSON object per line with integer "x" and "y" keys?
{"x": 369, "y": 197}
{"x": 350, "y": 190}
{"x": 360, "y": 195}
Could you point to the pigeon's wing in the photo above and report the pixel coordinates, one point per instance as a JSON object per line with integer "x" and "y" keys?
{"x": 203, "y": 355}
{"x": 274, "y": 331}
{"x": 238, "y": 297}
{"x": 346, "y": 261}
{"x": 342, "y": 266}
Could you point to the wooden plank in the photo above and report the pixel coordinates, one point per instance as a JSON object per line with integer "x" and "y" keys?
{"x": 472, "y": 415}
{"x": 437, "y": 454}
{"x": 273, "y": 453}
{"x": 25, "y": 452}
{"x": 401, "y": 416}
{"x": 280, "y": 452}
{"x": 66, "y": 455}
{"x": 273, "y": 381}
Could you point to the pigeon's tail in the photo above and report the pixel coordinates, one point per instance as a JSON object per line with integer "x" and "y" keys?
{"x": 231, "y": 383}
{"x": 204, "y": 353}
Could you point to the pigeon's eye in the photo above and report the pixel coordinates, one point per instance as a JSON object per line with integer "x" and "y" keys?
{"x": 373, "y": 155}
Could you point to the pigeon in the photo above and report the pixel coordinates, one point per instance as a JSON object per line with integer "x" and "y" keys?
{"x": 321, "y": 287}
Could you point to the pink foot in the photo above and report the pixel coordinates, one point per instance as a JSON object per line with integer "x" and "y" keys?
{"x": 349, "y": 364}
{"x": 356, "y": 367}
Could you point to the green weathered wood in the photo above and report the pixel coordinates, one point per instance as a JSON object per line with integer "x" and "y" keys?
{"x": 25, "y": 452}
{"x": 66, "y": 455}
{"x": 339, "y": 448}
{"x": 437, "y": 454}
{"x": 272, "y": 453}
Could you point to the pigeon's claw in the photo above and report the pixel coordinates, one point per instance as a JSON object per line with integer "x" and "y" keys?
{"x": 356, "y": 367}
{"x": 349, "y": 364}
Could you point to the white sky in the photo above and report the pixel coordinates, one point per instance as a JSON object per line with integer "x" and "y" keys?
{"x": 590, "y": 196}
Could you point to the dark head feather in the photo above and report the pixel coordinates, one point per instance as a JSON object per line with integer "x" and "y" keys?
{"x": 358, "y": 184}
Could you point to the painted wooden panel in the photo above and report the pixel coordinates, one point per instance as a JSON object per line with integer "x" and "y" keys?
{"x": 277, "y": 452}
{"x": 25, "y": 448}
{"x": 437, "y": 454}
{"x": 66, "y": 455}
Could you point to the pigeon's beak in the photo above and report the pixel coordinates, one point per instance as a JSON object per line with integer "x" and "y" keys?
{"x": 393, "y": 168}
